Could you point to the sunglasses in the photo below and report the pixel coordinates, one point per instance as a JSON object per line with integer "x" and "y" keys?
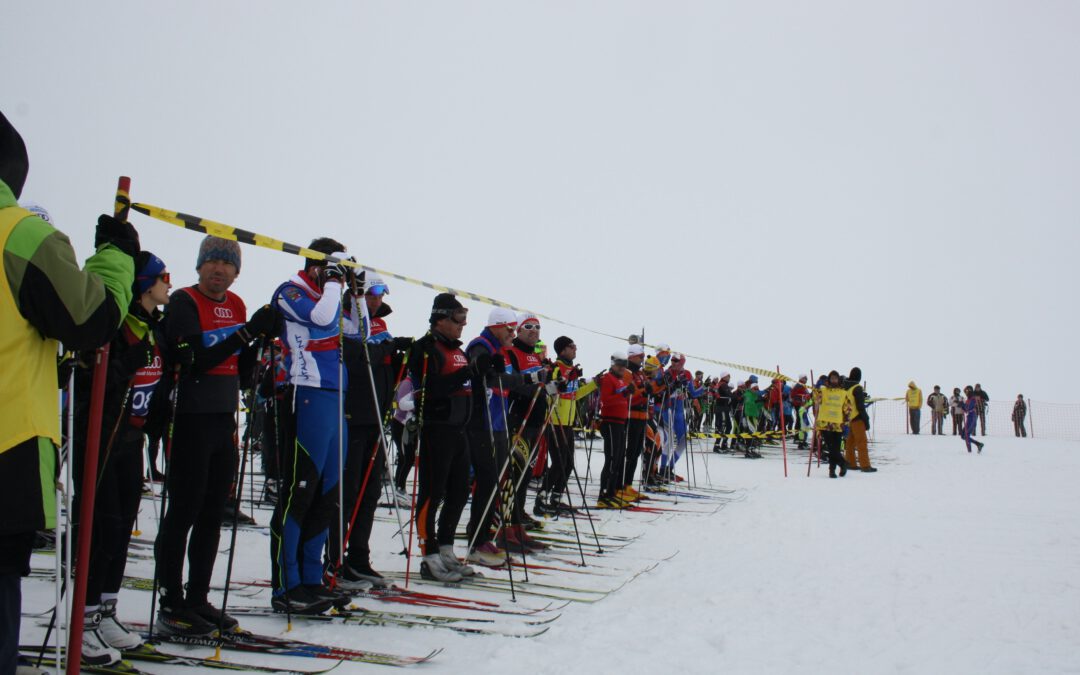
{"x": 530, "y": 326}
{"x": 165, "y": 276}
{"x": 377, "y": 290}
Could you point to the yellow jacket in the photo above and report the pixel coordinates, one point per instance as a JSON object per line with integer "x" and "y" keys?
{"x": 914, "y": 396}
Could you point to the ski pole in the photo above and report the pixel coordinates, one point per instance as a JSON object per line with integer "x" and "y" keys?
{"x": 239, "y": 490}
{"x": 416, "y": 465}
{"x": 568, "y": 458}
{"x": 167, "y": 449}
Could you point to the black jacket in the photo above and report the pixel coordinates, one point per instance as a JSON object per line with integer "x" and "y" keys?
{"x": 441, "y": 399}
{"x": 361, "y": 397}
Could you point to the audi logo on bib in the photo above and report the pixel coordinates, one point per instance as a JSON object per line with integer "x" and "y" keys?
{"x": 223, "y": 312}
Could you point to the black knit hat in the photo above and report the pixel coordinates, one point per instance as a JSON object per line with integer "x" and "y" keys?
{"x": 443, "y": 307}
{"x": 14, "y": 163}
{"x": 561, "y": 343}
{"x": 856, "y": 374}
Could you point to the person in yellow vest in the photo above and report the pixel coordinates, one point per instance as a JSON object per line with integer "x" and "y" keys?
{"x": 834, "y": 408}
{"x": 858, "y": 424}
{"x": 45, "y": 299}
{"x": 914, "y": 407}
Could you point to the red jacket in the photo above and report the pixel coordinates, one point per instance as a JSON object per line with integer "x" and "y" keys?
{"x": 614, "y": 400}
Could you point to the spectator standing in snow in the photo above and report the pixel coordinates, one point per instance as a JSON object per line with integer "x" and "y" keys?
{"x": 1018, "y": 415}
{"x": 984, "y": 402}
{"x": 914, "y": 406}
{"x": 857, "y": 444}
{"x": 835, "y": 407}
{"x": 939, "y": 407}
{"x": 956, "y": 406}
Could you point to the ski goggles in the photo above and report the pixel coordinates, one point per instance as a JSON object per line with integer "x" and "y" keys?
{"x": 530, "y": 326}
{"x": 620, "y": 362}
{"x": 378, "y": 290}
{"x": 166, "y": 277}
{"x": 455, "y": 315}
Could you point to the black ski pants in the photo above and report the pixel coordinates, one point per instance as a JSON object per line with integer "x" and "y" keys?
{"x": 487, "y": 461}
{"x": 443, "y": 480}
{"x": 361, "y": 489}
{"x": 614, "y": 434}
{"x": 116, "y": 504}
{"x": 635, "y": 444}
{"x": 832, "y": 440}
{"x": 15, "y": 549}
{"x": 199, "y": 474}
{"x": 561, "y": 451}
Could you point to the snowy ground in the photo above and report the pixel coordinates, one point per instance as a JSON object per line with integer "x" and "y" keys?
{"x": 942, "y": 562}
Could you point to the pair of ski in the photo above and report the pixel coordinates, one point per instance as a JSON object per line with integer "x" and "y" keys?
{"x": 359, "y": 616}
{"x": 272, "y": 645}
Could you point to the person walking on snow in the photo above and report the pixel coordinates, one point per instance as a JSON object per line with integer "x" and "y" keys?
{"x": 971, "y": 410}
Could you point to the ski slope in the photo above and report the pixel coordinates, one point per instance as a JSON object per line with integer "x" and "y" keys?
{"x": 942, "y": 562}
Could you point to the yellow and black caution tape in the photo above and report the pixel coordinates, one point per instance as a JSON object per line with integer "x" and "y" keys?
{"x": 207, "y": 226}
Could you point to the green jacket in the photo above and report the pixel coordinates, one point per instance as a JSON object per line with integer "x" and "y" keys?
{"x": 752, "y": 403}
{"x": 50, "y": 300}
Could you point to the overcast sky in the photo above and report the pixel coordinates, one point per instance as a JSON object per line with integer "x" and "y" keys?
{"x": 809, "y": 185}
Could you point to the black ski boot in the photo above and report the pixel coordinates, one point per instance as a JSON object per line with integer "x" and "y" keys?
{"x": 299, "y": 600}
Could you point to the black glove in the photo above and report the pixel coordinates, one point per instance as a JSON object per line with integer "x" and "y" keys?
{"x": 184, "y": 356}
{"x": 498, "y": 363}
{"x": 403, "y": 344}
{"x": 119, "y": 233}
{"x": 262, "y": 323}
{"x": 481, "y": 364}
{"x": 138, "y": 355}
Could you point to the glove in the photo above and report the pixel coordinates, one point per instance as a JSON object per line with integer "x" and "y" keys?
{"x": 138, "y": 355}
{"x": 535, "y": 377}
{"x": 119, "y": 233}
{"x": 262, "y": 323}
{"x": 402, "y": 344}
{"x": 552, "y": 388}
{"x": 481, "y": 364}
{"x": 498, "y": 363}
{"x": 184, "y": 356}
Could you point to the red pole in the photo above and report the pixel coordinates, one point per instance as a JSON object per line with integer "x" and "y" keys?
{"x": 89, "y": 483}
{"x": 783, "y": 423}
